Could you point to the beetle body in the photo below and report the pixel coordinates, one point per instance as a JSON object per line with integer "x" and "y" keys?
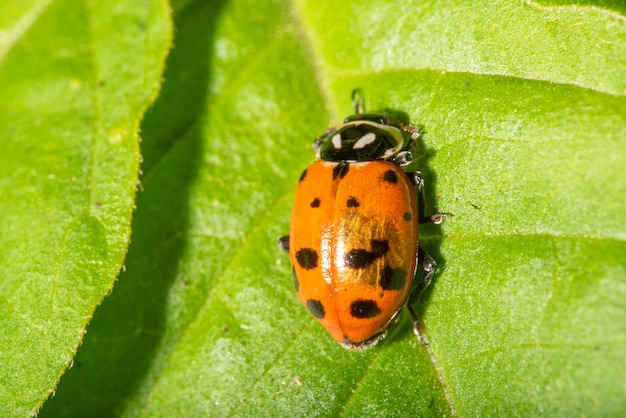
{"x": 353, "y": 239}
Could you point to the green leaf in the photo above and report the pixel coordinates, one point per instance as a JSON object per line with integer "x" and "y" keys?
{"x": 524, "y": 111}
{"x": 76, "y": 78}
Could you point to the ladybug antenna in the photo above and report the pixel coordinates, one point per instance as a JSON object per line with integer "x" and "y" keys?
{"x": 357, "y": 101}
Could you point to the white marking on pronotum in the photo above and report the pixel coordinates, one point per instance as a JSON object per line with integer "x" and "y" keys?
{"x": 336, "y": 141}
{"x": 365, "y": 140}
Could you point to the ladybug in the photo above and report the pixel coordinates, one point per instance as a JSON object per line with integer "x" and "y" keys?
{"x": 353, "y": 240}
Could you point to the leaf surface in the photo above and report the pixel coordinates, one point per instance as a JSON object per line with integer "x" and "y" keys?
{"x": 524, "y": 114}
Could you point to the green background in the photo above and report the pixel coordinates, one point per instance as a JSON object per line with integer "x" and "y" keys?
{"x": 524, "y": 111}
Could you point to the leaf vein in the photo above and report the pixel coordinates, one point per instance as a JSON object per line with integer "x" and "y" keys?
{"x": 27, "y": 20}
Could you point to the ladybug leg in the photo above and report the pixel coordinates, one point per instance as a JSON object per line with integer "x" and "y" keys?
{"x": 283, "y": 243}
{"x": 429, "y": 266}
{"x": 319, "y": 141}
{"x": 437, "y": 218}
{"x": 414, "y": 132}
{"x": 357, "y": 101}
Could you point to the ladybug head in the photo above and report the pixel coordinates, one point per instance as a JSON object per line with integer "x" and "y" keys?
{"x": 364, "y": 137}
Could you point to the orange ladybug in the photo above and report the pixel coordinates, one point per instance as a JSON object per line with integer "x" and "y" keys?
{"x": 353, "y": 242}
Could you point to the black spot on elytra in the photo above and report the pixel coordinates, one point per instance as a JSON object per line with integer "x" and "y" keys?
{"x": 315, "y": 203}
{"x": 340, "y": 170}
{"x": 380, "y": 247}
{"x": 352, "y": 202}
{"x": 307, "y": 258}
{"x": 296, "y": 283}
{"x": 364, "y": 308}
{"x": 390, "y": 176}
{"x": 316, "y": 308}
{"x": 360, "y": 258}
{"x": 302, "y": 176}
{"x": 393, "y": 279}
{"x": 407, "y": 216}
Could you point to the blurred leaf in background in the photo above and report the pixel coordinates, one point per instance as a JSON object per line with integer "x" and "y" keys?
{"x": 76, "y": 79}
